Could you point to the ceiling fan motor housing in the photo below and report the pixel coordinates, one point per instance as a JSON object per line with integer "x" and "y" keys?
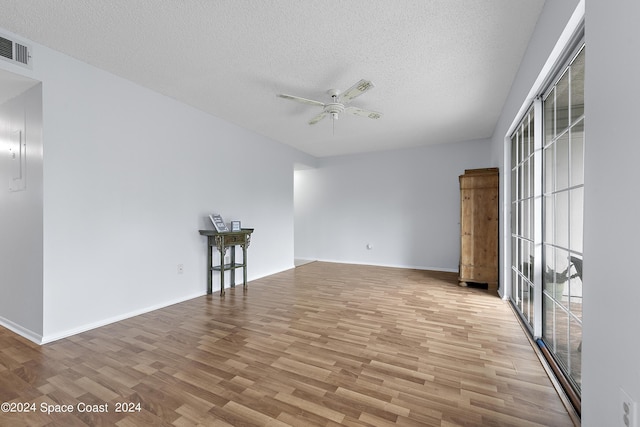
{"x": 334, "y": 108}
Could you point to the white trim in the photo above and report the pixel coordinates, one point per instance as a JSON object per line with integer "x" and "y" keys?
{"x": 22, "y": 331}
{"x": 87, "y": 327}
{"x": 406, "y": 266}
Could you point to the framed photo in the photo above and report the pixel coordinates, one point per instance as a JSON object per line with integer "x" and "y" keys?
{"x": 218, "y": 223}
{"x": 235, "y": 226}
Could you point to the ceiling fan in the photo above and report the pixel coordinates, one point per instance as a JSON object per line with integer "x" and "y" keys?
{"x": 338, "y": 102}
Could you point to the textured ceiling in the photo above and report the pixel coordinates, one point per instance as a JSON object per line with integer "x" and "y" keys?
{"x": 441, "y": 68}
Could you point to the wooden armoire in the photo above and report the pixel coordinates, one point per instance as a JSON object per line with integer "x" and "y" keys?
{"x": 479, "y": 227}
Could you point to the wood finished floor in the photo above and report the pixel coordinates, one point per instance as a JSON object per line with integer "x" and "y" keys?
{"x": 323, "y": 344}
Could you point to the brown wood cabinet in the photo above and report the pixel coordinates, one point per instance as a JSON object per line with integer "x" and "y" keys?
{"x": 479, "y": 227}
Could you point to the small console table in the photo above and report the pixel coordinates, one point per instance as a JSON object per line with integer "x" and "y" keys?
{"x": 221, "y": 241}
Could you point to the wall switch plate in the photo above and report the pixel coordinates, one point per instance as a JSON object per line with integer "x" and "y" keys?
{"x": 628, "y": 410}
{"x": 180, "y": 268}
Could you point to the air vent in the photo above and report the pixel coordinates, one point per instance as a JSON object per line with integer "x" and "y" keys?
{"x": 14, "y": 52}
{"x": 6, "y": 48}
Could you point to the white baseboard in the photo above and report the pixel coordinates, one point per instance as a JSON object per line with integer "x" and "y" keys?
{"x": 412, "y": 267}
{"x": 20, "y": 330}
{"x": 83, "y": 328}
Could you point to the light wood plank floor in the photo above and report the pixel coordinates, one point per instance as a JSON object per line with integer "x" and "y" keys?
{"x": 323, "y": 344}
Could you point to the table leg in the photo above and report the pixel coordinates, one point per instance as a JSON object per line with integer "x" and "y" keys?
{"x": 244, "y": 266}
{"x": 209, "y": 266}
{"x": 232, "y": 249}
{"x": 222, "y": 251}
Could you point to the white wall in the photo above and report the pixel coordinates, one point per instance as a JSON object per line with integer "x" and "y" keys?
{"x": 129, "y": 178}
{"x": 611, "y": 350}
{"x": 404, "y": 203}
{"x": 21, "y": 217}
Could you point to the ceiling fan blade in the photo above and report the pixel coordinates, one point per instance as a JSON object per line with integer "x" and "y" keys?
{"x": 363, "y": 113}
{"x": 301, "y": 100}
{"x": 356, "y": 90}
{"x": 317, "y": 118}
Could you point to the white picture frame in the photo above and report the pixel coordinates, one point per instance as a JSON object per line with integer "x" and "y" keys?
{"x": 218, "y": 223}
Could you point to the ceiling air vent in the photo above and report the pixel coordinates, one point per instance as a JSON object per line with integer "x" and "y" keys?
{"x": 15, "y": 52}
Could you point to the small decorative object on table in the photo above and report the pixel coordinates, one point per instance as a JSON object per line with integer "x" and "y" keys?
{"x": 218, "y": 223}
{"x": 235, "y": 226}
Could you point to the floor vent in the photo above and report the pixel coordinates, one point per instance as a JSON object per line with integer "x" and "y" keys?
{"x": 15, "y": 52}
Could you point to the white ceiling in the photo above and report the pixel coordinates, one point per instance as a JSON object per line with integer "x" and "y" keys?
{"x": 442, "y": 68}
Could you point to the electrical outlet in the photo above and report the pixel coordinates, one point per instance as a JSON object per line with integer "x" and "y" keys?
{"x": 180, "y": 268}
{"x": 629, "y": 410}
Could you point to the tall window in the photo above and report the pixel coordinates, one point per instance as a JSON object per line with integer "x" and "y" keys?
{"x": 547, "y": 190}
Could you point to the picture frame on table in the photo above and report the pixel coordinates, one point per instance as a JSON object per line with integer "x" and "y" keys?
{"x": 235, "y": 226}
{"x": 218, "y": 223}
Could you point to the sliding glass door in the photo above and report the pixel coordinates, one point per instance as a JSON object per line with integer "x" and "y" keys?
{"x": 547, "y": 190}
{"x": 562, "y": 217}
{"x": 523, "y": 217}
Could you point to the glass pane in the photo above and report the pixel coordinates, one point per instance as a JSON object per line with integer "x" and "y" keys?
{"x": 520, "y": 294}
{"x": 577, "y": 212}
{"x": 549, "y": 117}
{"x": 525, "y": 301}
{"x": 532, "y": 206}
{"x": 561, "y": 221}
{"x": 577, "y": 153}
{"x": 526, "y": 179}
{"x": 531, "y": 261}
{"x": 527, "y": 267}
{"x": 547, "y": 221}
{"x": 526, "y": 143}
{"x": 561, "y": 329}
{"x": 526, "y": 256}
{"x": 526, "y": 221}
{"x": 575, "y": 348}
{"x": 575, "y": 287}
{"x": 514, "y": 151}
{"x": 534, "y": 184}
{"x": 548, "y": 322}
{"x": 531, "y": 305}
{"x": 514, "y": 185}
{"x": 562, "y": 162}
{"x": 577, "y": 86}
{"x": 520, "y": 179}
{"x": 548, "y": 169}
{"x": 525, "y": 140}
{"x": 548, "y": 276}
{"x": 562, "y": 104}
{"x": 561, "y": 277}
{"x": 531, "y": 134}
